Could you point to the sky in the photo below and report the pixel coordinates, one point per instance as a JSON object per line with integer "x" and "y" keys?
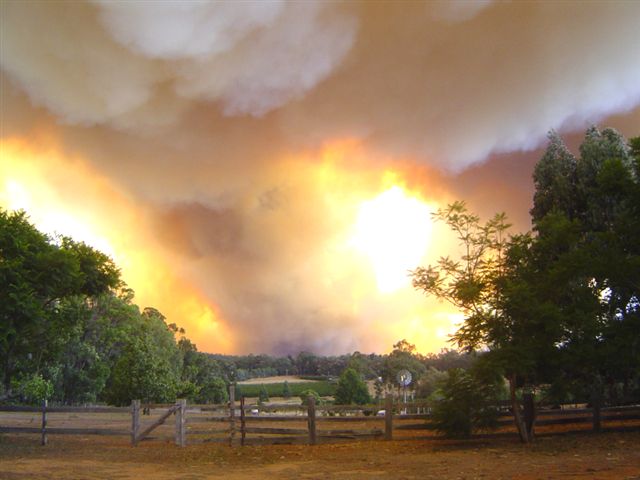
{"x": 264, "y": 172}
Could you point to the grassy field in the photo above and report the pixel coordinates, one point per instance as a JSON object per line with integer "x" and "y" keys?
{"x": 605, "y": 456}
{"x": 323, "y": 387}
{"x": 280, "y": 379}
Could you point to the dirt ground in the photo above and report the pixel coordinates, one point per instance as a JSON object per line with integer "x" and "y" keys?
{"x": 602, "y": 456}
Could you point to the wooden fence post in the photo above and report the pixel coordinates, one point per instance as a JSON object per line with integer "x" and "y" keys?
{"x": 43, "y": 439}
{"x": 243, "y": 432}
{"x": 232, "y": 413}
{"x": 311, "y": 419}
{"x": 388, "y": 417}
{"x": 181, "y": 418}
{"x": 135, "y": 421}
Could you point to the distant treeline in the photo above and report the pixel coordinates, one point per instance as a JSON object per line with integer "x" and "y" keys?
{"x": 310, "y": 366}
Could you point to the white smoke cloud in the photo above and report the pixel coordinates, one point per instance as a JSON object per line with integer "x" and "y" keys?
{"x": 278, "y": 64}
{"x": 191, "y": 107}
{"x": 63, "y": 62}
{"x": 174, "y": 30}
{"x": 457, "y": 10}
{"x": 137, "y": 64}
{"x": 446, "y": 82}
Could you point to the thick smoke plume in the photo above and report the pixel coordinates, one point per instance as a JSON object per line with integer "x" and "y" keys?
{"x": 213, "y": 116}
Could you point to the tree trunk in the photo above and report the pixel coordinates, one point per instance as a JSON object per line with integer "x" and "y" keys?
{"x": 6, "y": 378}
{"x": 529, "y": 413}
{"x": 517, "y": 417}
{"x": 596, "y": 403}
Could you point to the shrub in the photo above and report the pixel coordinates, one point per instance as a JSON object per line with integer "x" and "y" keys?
{"x": 429, "y": 382}
{"x": 464, "y": 404}
{"x": 214, "y": 391}
{"x": 304, "y": 396}
{"x": 35, "y": 389}
{"x": 352, "y": 389}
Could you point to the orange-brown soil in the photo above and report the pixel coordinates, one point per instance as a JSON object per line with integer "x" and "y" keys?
{"x": 602, "y": 456}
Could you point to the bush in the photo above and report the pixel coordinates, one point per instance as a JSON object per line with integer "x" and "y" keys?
{"x": 304, "y": 396}
{"x": 352, "y": 389}
{"x": 213, "y": 391}
{"x": 464, "y": 404}
{"x": 429, "y": 382}
{"x": 35, "y": 389}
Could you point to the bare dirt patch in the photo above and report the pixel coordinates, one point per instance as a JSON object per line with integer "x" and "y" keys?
{"x": 602, "y": 456}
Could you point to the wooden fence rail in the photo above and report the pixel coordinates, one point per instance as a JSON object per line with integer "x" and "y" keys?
{"x": 310, "y": 423}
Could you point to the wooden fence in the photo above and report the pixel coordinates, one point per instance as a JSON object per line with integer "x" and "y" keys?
{"x": 239, "y": 423}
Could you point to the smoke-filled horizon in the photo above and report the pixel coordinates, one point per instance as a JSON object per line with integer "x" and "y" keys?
{"x": 263, "y": 172}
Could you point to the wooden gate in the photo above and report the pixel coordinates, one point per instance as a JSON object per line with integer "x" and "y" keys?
{"x": 138, "y": 433}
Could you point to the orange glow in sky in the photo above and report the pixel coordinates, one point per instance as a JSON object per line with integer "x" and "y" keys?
{"x": 379, "y": 230}
{"x": 65, "y": 196}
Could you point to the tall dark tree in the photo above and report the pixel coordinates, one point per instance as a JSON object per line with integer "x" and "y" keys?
{"x": 556, "y": 304}
{"x": 36, "y": 275}
{"x": 554, "y": 178}
{"x": 602, "y": 261}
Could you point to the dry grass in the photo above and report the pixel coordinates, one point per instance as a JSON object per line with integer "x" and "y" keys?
{"x": 603, "y": 456}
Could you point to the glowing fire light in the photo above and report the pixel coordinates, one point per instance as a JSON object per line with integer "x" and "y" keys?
{"x": 393, "y": 230}
{"x": 370, "y": 229}
{"x": 40, "y": 181}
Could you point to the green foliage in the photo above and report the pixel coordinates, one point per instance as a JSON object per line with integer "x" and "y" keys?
{"x": 402, "y": 357}
{"x": 213, "y": 391}
{"x": 447, "y": 359}
{"x": 378, "y": 386}
{"x": 142, "y": 373}
{"x": 352, "y": 389}
{"x": 36, "y": 275}
{"x": 263, "y": 395}
{"x": 305, "y": 394}
{"x": 286, "y": 390}
{"x": 240, "y": 391}
{"x": 588, "y": 257}
{"x": 465, "y": 404}
{"x": 554, "y": 178}
{"x": 324, "y": 388}
{"x": 429, "y": 382}
{"x": 34, "y": 389}
{"x": 472, "y": 282}
{"x": 558, "y": 305}
{"x": 362, "y": 364}
{"x": 203, "y": 375}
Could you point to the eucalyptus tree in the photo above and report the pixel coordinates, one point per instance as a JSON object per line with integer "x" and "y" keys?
{"x": 37, "y": 274}
{"x": 559, "y": 304}
{"x": 600, "y": 338}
